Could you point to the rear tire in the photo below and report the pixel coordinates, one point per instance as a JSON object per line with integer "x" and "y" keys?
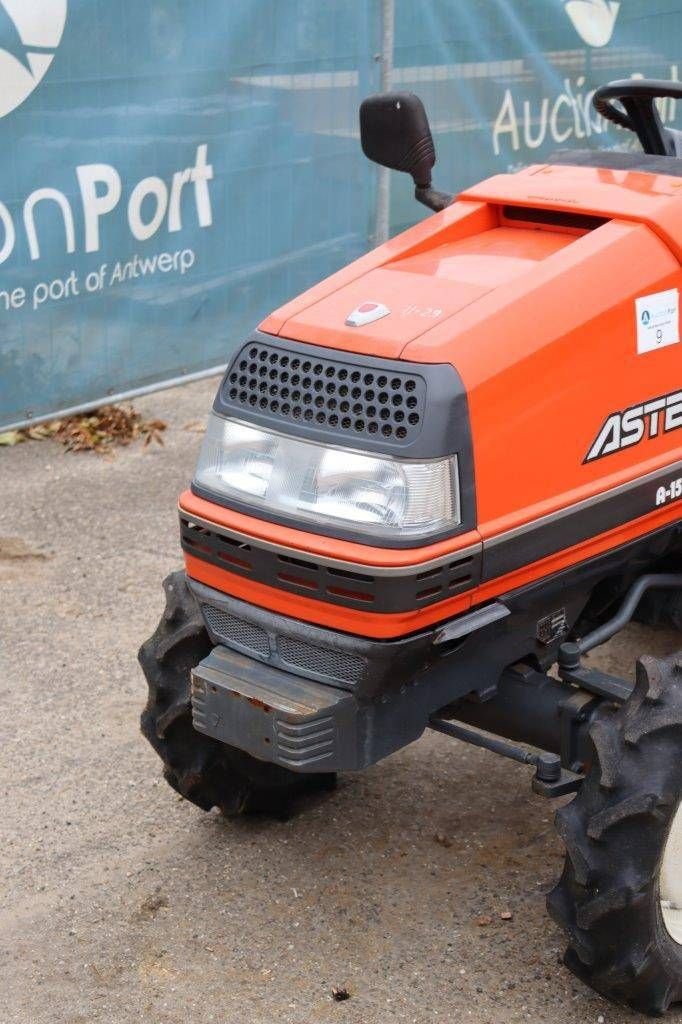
{"x": 204, "y": 771}
{"x": 616, "y": 831}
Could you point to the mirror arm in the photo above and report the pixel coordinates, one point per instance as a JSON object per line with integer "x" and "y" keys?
{"x": 432, "y": 198}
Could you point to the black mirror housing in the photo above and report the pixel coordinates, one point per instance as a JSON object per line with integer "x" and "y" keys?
{"x": 395, "y": 132}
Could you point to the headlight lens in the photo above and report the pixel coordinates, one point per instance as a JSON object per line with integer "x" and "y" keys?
{"x": 314, "y": 483}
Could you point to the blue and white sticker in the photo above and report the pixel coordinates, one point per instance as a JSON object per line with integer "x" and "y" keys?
{"x": 658, "y": 320}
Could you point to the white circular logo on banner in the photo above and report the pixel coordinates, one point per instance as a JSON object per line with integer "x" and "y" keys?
{"x": 593, "y": 20}
{"x": 30, "y": 32}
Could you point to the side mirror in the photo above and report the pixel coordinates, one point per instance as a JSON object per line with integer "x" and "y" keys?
{"x": 395, "y": 132}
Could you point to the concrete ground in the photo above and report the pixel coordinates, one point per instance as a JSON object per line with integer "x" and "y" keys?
{"x": 121, "y": 903}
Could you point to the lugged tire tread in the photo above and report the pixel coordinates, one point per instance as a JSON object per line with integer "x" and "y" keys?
{"x": 202, "y": 770}
{"x": 614, "y": 830}
{"x": 604, "y": 904}
{"x": 576, "y": 851}
{"x": 639, "y": 805}
{"x": 664, "y": 718}
{"x": 650, "y": 679}
{"x": 607, "y": 754}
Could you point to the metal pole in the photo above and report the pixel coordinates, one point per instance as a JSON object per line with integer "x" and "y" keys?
{"x": 383, "y": 209}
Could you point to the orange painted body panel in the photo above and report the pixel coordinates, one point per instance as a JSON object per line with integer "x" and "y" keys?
{"x": 577, "y": 553}
{"x": 545, "y": 359}
{"x": 423, "y": 288}
{"x": 318, "y": 315}
{"x": 539, "y": 321}
{"x": 314, "y": 544}
{"x": 383, "y": 626}
{"x": 652, "y": 199}
{"x": 346, "y": 620}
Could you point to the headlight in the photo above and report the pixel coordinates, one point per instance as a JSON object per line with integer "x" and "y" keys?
{"x": 314, "y": 483}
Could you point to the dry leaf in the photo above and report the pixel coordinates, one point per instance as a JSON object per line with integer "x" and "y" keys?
{"x": 97, "y": 431}
{"x": 10, "y": 438}
{"x": 16, "y": 549}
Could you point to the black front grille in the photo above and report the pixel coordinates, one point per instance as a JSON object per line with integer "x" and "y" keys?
{"x": 327, "y": 394}
{"x": 287, "y": 652}
{"x": 370, "y": 668}
{"x": 236, "y": 632}
{"x": 303, "y": 575}
{"x": 322, "y": 661}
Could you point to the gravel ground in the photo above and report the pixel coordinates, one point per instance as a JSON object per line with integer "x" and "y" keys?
{"x": 120, "y": 902}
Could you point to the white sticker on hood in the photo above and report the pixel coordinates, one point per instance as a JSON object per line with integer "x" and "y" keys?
{"x": 658, "y": 320}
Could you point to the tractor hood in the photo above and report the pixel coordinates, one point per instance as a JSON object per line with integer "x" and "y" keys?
{"x": 387, "y": 308}
{"x": 388, "y": 298}
{"x": 418, "y": 292}
{"x": 380, "y": 309}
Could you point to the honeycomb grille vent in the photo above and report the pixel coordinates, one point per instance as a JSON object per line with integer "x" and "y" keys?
{"x": 286, "y": 652}
{"x": 319, "y": 660}
{"x": 237, "y": 631}
{"x": 327, "y": 394}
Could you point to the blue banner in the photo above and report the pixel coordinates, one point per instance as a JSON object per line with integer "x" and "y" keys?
{"x": 173, "y": 171}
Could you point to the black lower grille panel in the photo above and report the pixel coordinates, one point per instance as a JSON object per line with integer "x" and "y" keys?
{"x": 322, "y": 661}
{"x": 284, "y": 651}
{"x": 369, "y": 668}
{"x": 236, "y": 632}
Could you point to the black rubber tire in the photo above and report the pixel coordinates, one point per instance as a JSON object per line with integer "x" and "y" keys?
{"x": 204, "y": 771}
{"x": 615, "y": 832}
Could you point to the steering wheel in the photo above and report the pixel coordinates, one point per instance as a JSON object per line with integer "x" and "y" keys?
{"x": 639, "y": 113}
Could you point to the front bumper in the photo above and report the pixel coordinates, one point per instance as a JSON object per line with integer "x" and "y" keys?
{"x": 370, "y": 669}
{"x": 278, "y": 717}
{"x": 306, "y": 698}
{"x": 316, "y": 700}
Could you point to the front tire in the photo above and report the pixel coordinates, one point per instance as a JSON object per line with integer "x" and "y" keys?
{"x": 623, "y": 834}
{"x": 204, "y": 771}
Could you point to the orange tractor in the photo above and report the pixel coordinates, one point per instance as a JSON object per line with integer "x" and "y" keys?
{"x": 442, "y": 472}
